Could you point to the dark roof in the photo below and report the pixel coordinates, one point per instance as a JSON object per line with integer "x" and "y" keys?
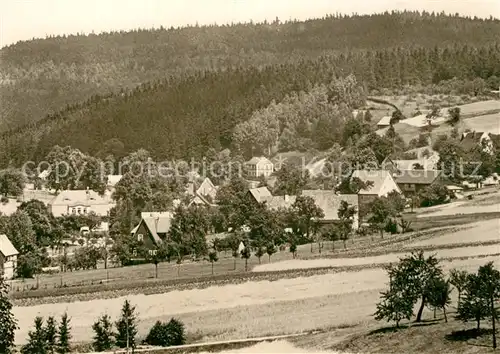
{"x": 416, "y": 176}
{"x": 470, "y": 140}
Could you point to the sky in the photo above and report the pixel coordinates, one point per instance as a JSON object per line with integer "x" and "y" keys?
{"x": 25, "y": 19}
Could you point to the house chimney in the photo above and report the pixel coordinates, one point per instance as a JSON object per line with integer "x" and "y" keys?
{"x": 156, "y": 223}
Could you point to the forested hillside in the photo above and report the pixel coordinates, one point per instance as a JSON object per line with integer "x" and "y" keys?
{"x": 45, "y": 75}
{"x": 183, "y": 116}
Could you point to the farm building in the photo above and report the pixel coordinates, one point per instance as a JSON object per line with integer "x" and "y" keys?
{"x": 8, "y": 258}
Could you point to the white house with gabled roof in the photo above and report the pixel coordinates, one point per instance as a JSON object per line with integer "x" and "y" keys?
{"x": 79, "y": 202}
{"x": 259, "y": 166}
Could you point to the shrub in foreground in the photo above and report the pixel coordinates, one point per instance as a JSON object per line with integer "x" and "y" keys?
{"x": 166, "y": 334}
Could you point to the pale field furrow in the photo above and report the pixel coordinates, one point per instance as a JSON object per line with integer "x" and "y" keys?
{"x": 484, "y": 231}
{"x": 242, "y": 310}
{"x": 392, "y": 257}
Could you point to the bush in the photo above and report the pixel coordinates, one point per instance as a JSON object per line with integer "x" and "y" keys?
{"x": 391, "y": 226}
{"x": 4, "y": 200}
{"x": 166, "y": 334}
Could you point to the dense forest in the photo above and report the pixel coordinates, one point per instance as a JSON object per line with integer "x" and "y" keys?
{"x": 44, "y": 75}
{"x": 177, "y": 92}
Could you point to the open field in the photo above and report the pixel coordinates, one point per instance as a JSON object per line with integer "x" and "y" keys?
{"x": 243, "y": 310}
{"x": 483, "y": 231}
{"x": 487, "y": 123}
{"x": 458, "y": 208}
{"x": 389, "y": 258}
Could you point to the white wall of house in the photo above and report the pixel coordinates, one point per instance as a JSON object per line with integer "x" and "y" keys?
{"x": 388, "y": 186}
{"x": 99, "y": 209}
{"x": 9, "y": 265}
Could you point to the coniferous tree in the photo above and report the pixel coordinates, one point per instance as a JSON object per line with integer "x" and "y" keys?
{"x": 37, "y": 341}
{"x": 8, "y": 323}
{"x": 103, "y": 334}
{"x": 51, "y": 334}
{"x": 126, "y": 327}
{"x": 64, "y": 335}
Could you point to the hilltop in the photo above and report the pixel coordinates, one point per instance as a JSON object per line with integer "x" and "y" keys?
{"x": 44, "y": 76}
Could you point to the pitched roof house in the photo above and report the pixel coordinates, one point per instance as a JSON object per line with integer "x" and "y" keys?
{"x": 79, "y": 202}
{"x": 330, "y": 203}
{"x": 382, "y": 180}
{"x": 412, "y": 181}
{"x": 203, "y": 193}
{"x": 263, "y": 195}
{"x": 382, "y": 185}
{"x": 259, "y": 166}
{"x": 153, "y": 228}
{"x": 260, "y": 194}
{"x": 8, "y": 257}
{"x": 384, "y": 122}
{"x": 470, "y": 140}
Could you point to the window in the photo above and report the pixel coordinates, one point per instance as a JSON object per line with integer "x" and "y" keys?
{"x": 134, "y": 252}
{"x": 79, "y": 211}
{"x": 153, "y": 252}
{"x": 73, "y": 211}
{"x": 140, "y": 237}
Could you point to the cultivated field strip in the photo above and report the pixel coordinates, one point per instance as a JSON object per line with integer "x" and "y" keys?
{"x": 233, "y": 311}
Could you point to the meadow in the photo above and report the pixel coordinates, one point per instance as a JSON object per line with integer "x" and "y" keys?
{"x": 250, "y": 309}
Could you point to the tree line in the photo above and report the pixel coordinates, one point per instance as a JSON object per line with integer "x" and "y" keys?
{"x": 213, "y": 103}
{"x": 44, "y": 75}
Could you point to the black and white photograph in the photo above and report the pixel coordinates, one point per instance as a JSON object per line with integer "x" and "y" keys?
{"x": 249, "y": 176}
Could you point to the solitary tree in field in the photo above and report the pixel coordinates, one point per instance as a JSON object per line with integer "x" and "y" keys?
{"x": 414, "y": 273}
{"x": 64, "y": 335}
{"x": 212, "y": 257}
{"x": 270, "y": 250}
{"x": 458, "y": 278}
{"x": 8, "y": 323}
{"x": 103, "y": 334}
{"x": 245, "y": 254}
{"x": 293, "y": 250}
